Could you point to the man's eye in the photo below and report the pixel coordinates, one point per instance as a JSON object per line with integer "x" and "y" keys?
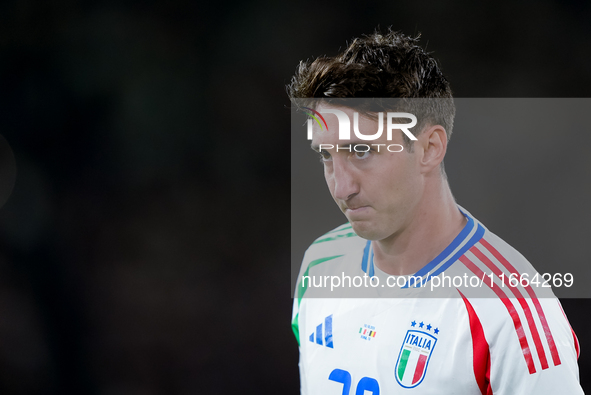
{"x": 362, "y": 155}
{"x": 325, "y": 156}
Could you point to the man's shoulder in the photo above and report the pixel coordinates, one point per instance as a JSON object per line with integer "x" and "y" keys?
{"x": 491, "y": 250}
{"x": 340, "y": 239}
{"x": 502, "y": 272}
{"x": 336, "y": 243}
{"x": 502, "y": 254}
{"x": 511, "y": 301}
{"x": 340, "y": 232}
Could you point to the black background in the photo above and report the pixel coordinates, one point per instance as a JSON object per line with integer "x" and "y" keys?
{"x": 146, "y": 246}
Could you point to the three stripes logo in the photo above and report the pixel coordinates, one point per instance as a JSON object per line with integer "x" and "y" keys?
{"x": 414, "y": 355}
{"x": 521, "y": 303}
{"x": 316, "y": 337}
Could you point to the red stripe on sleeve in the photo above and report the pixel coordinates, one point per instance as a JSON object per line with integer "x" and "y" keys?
{"x": 532, "y": 294}
{"x": 480, "y": 350}
{"x": 530, "y": 319}
{"x": 512, "y": 312}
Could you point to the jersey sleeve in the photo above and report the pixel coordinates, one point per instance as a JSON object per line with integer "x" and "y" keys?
{"x": 523, "y": 347}
{"x": 322, "y": 250}
{"x": 319, "y": 252}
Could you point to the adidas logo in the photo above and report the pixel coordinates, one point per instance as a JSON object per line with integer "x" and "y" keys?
{"x": 327, "y": 333}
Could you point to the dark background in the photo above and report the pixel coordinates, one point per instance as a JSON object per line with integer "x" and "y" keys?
{"x": 146, "y": 246}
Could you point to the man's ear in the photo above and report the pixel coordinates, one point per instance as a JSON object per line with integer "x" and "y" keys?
{"x": 433, "y": 141}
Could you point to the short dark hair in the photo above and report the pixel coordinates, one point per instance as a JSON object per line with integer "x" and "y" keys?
{"x": 389, "y": 65}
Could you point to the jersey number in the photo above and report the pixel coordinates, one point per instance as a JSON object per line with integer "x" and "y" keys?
{"x": 365, "y": 384}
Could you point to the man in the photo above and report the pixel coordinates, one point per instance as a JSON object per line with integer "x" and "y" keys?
{"x": 405, "y": 230}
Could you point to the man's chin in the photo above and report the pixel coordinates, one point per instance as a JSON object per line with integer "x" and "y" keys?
{"x": 365, "y": 230}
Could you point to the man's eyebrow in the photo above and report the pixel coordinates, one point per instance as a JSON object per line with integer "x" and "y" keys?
{"x": 354, "y": 142}
{"x": 315, "y": 147}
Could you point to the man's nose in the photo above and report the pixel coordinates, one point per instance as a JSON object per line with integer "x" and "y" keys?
{"x": 345, "y": 183}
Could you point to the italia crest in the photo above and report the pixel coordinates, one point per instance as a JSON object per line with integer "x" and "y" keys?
{"x": 415, "y": 353}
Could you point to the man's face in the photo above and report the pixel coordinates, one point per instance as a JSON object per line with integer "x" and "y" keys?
{"x": 377, "y": 191}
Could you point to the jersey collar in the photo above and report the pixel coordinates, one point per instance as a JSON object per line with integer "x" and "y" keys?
{"x": 470, "y": 235}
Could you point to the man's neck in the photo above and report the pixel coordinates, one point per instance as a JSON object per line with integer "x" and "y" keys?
{"x": 431, "y": 226}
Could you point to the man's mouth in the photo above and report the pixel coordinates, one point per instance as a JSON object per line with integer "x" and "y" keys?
{"x": 355, "y": 209}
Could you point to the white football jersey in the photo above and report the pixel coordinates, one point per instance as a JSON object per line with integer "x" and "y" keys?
{"x": 494, "y": 328}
